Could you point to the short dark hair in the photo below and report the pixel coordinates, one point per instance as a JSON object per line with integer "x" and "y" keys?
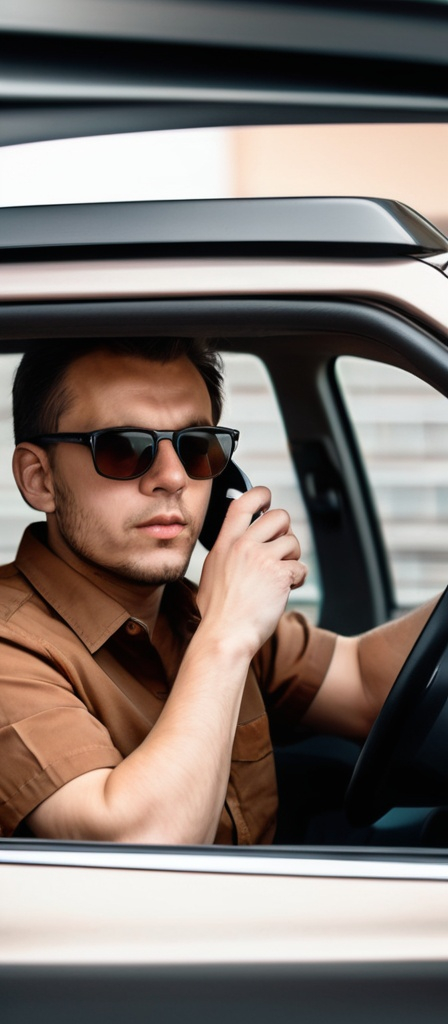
{"x": 40, "y": 394}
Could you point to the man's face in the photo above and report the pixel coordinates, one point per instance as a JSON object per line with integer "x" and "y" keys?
{"x": 144, "y": 530}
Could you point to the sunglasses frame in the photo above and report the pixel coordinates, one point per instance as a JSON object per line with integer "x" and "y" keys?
{"x": 89, "y": 440}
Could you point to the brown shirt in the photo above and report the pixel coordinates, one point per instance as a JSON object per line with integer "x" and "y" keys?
{"x": 81, "y": 685}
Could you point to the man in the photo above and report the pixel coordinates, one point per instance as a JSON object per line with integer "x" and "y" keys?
{"x": 133, "y": 709}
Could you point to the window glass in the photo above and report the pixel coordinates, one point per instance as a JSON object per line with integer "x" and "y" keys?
{"x": 401, "y": 426}
{"x": 262, "y": 453}
{"x": 15, "y": 513}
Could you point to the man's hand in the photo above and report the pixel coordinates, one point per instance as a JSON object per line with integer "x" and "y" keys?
{"x": 250, "y": 571}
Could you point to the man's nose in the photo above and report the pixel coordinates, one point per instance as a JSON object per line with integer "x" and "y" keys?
{"x": 167, "y": 472}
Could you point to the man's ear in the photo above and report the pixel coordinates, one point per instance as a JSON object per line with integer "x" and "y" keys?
{"x": 33, "y": 476}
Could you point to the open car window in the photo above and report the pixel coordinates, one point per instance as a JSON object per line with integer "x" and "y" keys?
{"x": 401, "y": 426}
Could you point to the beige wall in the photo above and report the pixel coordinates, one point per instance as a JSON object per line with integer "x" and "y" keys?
{"x": 408, "y": 163}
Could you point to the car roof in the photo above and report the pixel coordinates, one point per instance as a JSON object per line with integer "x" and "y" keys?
{"x": 331, "y": 226}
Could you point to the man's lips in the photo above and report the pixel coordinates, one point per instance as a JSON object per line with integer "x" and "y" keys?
{"x": 163, "y": 527}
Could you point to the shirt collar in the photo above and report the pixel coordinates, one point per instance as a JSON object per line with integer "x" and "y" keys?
{"x": 90, "y": 613}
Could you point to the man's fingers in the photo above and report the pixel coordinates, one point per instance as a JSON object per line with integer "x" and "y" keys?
{"x": 287, "y": 553}
{"x": 299, "y": 575}
{"x": 285, "y": 547}
{"x": 242, "y": 510}
{"x": 272, "y": 530}
{"x": 276, "y": 523}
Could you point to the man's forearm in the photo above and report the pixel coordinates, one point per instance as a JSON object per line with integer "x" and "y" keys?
{"x": 362, "y": 671}
{"x": 382, "y": 652}
{"x": 172, "y": 788}
{"x": 182, "y": 768}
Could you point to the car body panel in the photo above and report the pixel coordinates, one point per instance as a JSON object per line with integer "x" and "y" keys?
{"x": 225, "y": 913}
{"x": 335, "y": 226}
{"x": 359, "y": 247}
{"x": 416, "y": 288}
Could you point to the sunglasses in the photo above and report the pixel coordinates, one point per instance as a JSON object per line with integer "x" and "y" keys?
{"x": 125, "y": 453}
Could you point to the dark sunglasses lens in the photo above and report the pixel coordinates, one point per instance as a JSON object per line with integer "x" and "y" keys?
{"x": 204, "y": 455}
{"x": 122, "y": 454}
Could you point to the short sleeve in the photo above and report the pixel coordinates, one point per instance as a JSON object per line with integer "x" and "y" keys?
{"x": 47, "y": 735}
{"x": 291, "y": 667}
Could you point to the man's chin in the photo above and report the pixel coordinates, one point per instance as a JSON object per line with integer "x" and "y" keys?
{"x": 164, "y": 564}
{"x": 154, "y": 575}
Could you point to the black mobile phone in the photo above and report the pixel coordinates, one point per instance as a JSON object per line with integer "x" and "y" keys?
{"x": 234, "y": 479}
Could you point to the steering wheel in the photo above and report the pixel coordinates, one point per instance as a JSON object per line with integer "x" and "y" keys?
{"x": 404, "y": 761}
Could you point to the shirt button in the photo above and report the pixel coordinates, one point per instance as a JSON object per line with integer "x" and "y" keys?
{"x": 133, "y": 628}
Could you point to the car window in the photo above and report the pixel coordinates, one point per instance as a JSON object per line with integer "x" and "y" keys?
{"x": 263, "y": 454}
{"x": 15, "y": 513}
{"x": 401, "y": 426}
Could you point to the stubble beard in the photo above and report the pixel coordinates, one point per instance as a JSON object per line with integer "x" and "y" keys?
{"x": 75, "y": 527}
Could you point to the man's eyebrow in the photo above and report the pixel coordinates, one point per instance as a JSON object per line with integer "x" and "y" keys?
{"x": 130, "y": 426}
{"x": 199, "y": 423}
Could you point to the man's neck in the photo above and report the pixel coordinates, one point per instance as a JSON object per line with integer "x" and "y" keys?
{"x": 141, "y": 600}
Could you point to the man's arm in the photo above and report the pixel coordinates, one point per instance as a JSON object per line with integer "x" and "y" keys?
{"x": 361, "y": 673}
{"x": 172, "y": 788}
